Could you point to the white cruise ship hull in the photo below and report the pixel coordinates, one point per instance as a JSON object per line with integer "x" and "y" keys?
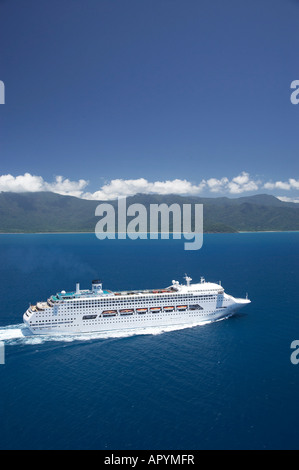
{"x": 105, "y": 311}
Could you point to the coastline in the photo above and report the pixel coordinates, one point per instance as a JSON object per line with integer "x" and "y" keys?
{"x": 90, "y": 233}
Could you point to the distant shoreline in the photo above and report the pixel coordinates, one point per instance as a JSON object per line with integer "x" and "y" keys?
{"x": 90, "y": 233}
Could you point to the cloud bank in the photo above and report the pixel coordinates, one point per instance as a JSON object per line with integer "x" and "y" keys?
{"x": 33, "y": 184}
{"x": 286, "y": 185}
{"x": 240, "y": 184}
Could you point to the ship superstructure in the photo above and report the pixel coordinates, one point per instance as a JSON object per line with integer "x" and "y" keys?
{"x": 100, "y": 310}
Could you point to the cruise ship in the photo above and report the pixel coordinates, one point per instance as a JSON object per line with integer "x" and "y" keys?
{"x": 100, "y": 310}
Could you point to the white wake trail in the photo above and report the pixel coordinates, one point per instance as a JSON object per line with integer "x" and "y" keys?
{"x": 19, "y": 334}
{"x": 12, "y": 332}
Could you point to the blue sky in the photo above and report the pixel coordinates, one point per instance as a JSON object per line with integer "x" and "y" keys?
{"x": 107, "y": 97}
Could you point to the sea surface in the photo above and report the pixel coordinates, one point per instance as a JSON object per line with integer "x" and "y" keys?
{"x": 223, "y": 385}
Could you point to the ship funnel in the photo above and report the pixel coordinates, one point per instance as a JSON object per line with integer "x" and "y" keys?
{"x": 97, "y": 287}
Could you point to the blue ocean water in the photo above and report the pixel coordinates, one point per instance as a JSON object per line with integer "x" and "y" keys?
{"x": 225, "y": 385}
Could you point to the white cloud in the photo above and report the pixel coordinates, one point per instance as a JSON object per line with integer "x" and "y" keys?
{"x": 289, "y": 185}
{"x": 67, "y": 187}
{"x": 294, "y": 183}
{"x": 216, "y": 185}
{"x": 33, "y": 184}
{"x": 241, "y": 183}
{"x": 19, "y": 184}
{"x": 288, "y": 199}
{"x": 124, "y": 188}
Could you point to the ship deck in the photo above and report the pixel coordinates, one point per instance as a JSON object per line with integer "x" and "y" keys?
{"x": 75, "y": 295}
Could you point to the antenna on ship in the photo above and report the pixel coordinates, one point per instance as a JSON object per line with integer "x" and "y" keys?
{"x": 188, "y": 280}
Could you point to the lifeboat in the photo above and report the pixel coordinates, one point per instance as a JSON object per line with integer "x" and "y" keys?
{"x": 169, "y": 309}
{"x": 141, "y": 310}
{"x": 156, "y": 309}
{"x": 127, "y": 312}
{"x": 182, "y": 307}
{"x": 109, "y": 313}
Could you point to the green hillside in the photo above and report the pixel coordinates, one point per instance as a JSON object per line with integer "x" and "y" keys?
{"x": 49, "y": 212}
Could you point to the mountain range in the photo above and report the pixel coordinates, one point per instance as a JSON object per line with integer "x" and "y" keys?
{"x": 50, "y": 212}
